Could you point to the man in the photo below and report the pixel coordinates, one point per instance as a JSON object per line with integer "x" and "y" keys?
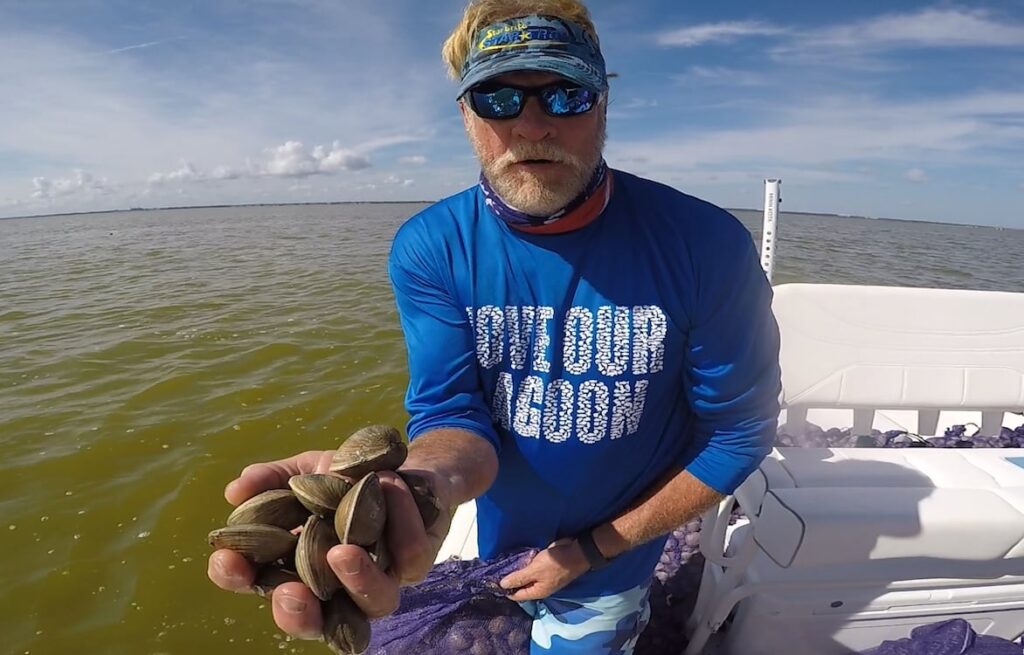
{"x": 592, "y": 355}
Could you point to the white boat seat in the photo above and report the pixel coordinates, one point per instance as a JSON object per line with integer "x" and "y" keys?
{"x": 830, "y": 525}
{"x": 896, "y": 511}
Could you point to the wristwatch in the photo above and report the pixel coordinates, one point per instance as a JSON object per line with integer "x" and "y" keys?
{"x": 591, "y": 551}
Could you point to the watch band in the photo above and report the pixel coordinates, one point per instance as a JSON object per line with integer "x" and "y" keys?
{"x": 591, "y": 551}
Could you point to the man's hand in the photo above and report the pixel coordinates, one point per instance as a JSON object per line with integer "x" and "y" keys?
{"x": 552, "y": 569}
{"x": 295, "y": 609}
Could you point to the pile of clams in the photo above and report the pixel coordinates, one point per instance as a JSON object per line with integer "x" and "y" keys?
{"x": 286, "y": 533}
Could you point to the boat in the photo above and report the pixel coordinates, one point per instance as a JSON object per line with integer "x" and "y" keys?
{"x": 840, "y": 549}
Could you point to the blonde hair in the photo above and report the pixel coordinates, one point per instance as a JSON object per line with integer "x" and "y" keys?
{"x": 480, "y": 13}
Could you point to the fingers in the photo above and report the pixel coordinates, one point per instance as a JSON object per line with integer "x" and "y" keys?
{"x": 231, "y": 571}
{"x": 531, "y": 592}
{"x": 551, "y": 570}
{"x": 520, "y": 578}
{"x": 297, "y": 611}
{"x": 412, "y": 549}
{"x": 375, "y": 592}
{"x": 532, "y": 582}
{"x": 257, "y": 478}
{"x": 527, "y": 582}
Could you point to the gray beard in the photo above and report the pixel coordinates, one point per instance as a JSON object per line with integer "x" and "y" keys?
{"x": 528, "y": 194}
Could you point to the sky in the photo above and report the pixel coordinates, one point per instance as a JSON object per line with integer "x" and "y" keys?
{"x": 896, "y": 108}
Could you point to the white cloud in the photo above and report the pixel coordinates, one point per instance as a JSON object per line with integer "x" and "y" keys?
{"x": 413, "y": 160}
{"x": 732, "y": 77}
{"x": 857, "y": 44}
{"x": 932, "y": 28}
{"x": 938, "y": 28}
{"x": 185, "y": 173}
{"x": 916, "y": 175}
{"x": 225, "y": 173}
{"x": 728, "y": 32}
{"x": 79, "y": 182}
{"x": 11, "y": 203}
{"x": 629, "y": 108}
{"x": 639, "y": 103}
{"x": 139, "y": 46}
{"x": 394, "y": 179}
{"x": 339, "y": 159}
{"x": 290, "y": 160}
{"x": 78, "y": 106}
{"x": 847, "y": 131}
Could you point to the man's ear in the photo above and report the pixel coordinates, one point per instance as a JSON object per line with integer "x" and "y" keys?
{"x": 465, "y": 113}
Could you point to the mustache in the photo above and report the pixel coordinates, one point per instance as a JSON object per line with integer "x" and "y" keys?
{"x": 526, "y": 151}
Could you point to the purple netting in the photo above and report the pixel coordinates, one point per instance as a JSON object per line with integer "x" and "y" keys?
{"x": 458, "y": 608}
{"x": 956, "y": 436}
{"x": 952, "y": 637}
{"x": 673, "y": 592}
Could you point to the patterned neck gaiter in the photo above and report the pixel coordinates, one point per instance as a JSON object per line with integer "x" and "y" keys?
{"x": 517, "y": 218}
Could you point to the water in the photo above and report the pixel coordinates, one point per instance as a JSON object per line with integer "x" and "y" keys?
{"x": 148, "y": 356}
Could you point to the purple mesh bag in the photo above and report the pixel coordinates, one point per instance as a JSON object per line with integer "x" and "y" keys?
{"x": 952, "y": 637}
{"x": 458, "y": 609}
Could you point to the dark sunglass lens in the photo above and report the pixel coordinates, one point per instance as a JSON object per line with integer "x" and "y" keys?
{"x": 568, "y": 101}
{"x": 497, "y": 103}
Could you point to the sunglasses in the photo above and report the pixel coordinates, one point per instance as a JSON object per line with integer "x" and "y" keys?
{"x": 503, "y": 101}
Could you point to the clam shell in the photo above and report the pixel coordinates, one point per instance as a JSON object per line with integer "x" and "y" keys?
{"x": 259, "y": 543}
{"x": 270, "y": 577}
{"x": 311, "y": 557}
{"x": 277, "y": 507}
{"x": 346, "y": 628}
{"x": 320, "y": 493}
{"x": 360, "y": 516}
{"x": 426, "y": 501}
{"x": 380, "y": 554}
{"x": 373, "y": 448}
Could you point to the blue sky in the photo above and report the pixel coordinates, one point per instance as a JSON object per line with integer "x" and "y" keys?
{"x": 895, "y": 109}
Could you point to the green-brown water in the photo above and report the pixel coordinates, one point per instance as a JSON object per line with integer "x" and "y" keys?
{"x": 147, "y": 357}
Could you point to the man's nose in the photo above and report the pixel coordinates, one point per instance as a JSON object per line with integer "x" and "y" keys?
{"x": 533, "y": 124}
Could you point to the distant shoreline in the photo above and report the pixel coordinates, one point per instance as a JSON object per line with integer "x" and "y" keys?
{"x": 427, "y": 202}
{"x": 247, "y": 204}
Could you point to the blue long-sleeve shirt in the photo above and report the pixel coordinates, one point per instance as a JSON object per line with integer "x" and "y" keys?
{"x": 593, "y": 361}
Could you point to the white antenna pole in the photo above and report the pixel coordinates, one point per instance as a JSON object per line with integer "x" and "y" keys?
{"x": 769, "y": 230}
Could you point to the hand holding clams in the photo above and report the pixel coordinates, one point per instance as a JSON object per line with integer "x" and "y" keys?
{"x": 345, "y": 505}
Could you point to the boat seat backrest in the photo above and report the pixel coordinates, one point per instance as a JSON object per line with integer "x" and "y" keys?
{"x": 870, "y": 347}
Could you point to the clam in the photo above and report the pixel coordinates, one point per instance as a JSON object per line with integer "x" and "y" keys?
{"x": 373, "y": 448}
{"x": 258, "y": 543}
{"x": 345, "y": 505}
{"x": 360, "y": 516}
{"x": 270, "y": 577}
{"x": 426, "y": 501}
{"x": 346, "y": 628}
{"x": 277, "y": 507}
{"x": 311, "y": 557}
{"x": 320, "y": 493}
{"x": 380, "y": 554}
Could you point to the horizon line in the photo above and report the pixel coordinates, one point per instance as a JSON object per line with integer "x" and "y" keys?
{"x": 429, "y": 202}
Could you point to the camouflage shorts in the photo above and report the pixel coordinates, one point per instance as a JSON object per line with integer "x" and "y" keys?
{"x": 606, "y": 625}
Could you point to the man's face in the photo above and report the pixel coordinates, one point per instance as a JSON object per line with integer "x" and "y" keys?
{"x": 537, "y": 163}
